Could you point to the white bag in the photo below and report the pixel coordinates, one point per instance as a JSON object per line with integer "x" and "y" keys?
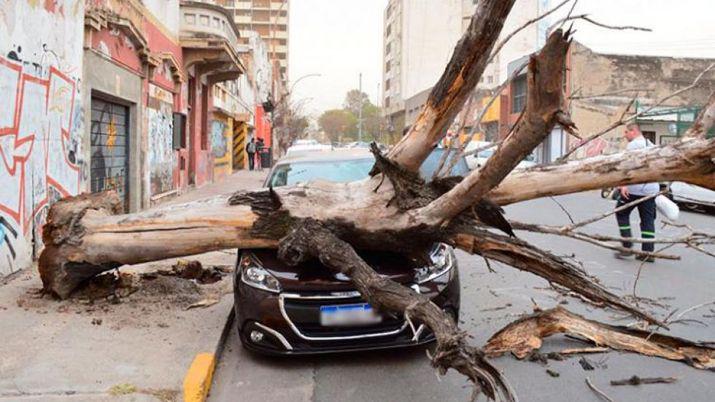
{"x": 667, "y": 207}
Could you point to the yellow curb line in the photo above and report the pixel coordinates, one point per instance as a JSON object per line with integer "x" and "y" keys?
{"x": 197, "y": 381}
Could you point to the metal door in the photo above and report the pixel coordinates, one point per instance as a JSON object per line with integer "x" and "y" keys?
{"x": 110, "y": 148}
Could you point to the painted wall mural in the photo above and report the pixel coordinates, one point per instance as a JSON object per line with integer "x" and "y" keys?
{"x": 41, "y": 115}
{"x": 162, "y": 158}
{"x": 221, "y": 139}
{"x": 218, "y": 139}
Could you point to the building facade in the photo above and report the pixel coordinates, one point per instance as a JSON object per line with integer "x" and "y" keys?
{"x": 599, "y": 87}
{"x": 268, "y": 18}
{"x": 146, "y": 98}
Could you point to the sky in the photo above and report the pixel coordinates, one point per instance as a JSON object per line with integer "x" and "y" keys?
{"x": 339, "y": 39}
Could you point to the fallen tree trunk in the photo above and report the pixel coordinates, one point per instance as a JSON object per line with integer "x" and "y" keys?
{"x": 82, "y": 235}
{"x": 526, "y": 335}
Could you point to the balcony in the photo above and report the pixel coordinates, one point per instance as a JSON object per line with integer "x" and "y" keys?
{"x": 210, "y": 41}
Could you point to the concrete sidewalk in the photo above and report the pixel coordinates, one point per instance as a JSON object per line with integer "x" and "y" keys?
{"x": 131, "y": 341}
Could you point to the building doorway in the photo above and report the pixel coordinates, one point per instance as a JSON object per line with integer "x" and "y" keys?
{"x": 110, "y": 148}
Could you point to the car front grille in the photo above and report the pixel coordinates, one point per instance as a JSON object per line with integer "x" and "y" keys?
{"x": 302, "y": 312}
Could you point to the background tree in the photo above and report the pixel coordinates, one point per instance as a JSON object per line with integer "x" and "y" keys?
{"x": 353, "y": 99}
{"x": 338, "y": 124}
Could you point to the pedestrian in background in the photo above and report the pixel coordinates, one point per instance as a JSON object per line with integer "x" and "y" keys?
{"x": 259, "y": 151}
{"x": 646, "y": 209}
{"x": 251, "y": 151}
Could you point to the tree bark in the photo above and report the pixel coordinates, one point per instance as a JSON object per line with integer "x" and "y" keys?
{"x": 690, "y": 161}
{"x": 526, "y": 335}
{"x": 83, "y": 238}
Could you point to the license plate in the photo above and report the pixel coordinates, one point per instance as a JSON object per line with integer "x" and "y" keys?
{"x": 348, "y": 314}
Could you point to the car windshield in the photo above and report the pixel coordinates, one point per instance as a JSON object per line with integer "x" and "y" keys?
{"x": 345, "y": 170}
{"x": 338, "y": 171}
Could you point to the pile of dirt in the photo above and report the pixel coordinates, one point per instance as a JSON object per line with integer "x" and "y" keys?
{"x": 192, "y": 270}
{"x": 185, "y": 285}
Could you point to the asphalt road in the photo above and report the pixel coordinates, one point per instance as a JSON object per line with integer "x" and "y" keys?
{"x": 490, "y": 301}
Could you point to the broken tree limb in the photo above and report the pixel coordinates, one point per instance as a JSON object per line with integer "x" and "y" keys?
{"x": 705, "y": 120}
{"x": 454, "y": 86}
{"x": 598, "y": 240}
{"x": 635, "y": 380}
{"x": 521, "y": 255}
{"x": 312, "y": 239}
{"x": 544, "y": 109}
{"x": 690, "y": 161}
{"x": 526, "y": 335}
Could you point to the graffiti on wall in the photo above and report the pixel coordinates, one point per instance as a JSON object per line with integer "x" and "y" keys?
{"x": 161, "y": 151}
{"x": 219, "y": 146}
{"x": 41, "y": 120}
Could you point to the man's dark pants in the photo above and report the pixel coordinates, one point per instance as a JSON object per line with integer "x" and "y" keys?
{"x": 251, "y": 160}
{"x": 646, "y": 210}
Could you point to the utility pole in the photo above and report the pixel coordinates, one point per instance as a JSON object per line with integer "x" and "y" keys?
{"x": 360, "y": 110}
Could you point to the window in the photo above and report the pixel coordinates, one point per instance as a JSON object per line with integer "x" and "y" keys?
{"x": 387, "y": 66}
{"x": 387, "y": 102}
{"x": 179, "y": 137}
{"x": 388, "y": 29}
{"x": 518, "y": 94}
{"x": 387, "y": 85}
{"x": 387, "y": 48}
{"x": 490, "y": 79}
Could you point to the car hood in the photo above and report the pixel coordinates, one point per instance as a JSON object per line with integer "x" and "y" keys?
{"x": 311, "y": 275}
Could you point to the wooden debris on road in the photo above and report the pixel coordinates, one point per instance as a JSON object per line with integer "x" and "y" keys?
{"x": 635, "y": 380}
{"x": 526, "y": 335}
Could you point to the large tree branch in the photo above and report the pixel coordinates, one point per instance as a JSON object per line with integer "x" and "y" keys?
{"x": 521, "y": 255}
{"x": 310, "y": 238}
{"x": 526, "y": 334}
{"x": 544, "y": 103}
{"x": 454, "y": 87}
{"x": 689, "y": 161}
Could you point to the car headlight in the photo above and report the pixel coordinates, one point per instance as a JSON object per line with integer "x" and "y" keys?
{"x": 253, "y": 274}
{"x": 442, "y": 262}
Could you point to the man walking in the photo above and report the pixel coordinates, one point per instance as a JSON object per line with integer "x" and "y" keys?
{"x": 634, "y": 192}
{"x": 251, "y": 151}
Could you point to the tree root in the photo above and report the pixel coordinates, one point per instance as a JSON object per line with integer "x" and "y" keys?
{"x": 526, "y": 335}
{"x": 312, "y": 239}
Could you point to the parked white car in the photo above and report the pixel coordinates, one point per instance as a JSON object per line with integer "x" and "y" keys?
{"x": 476, "y": 161}
{"x": 692, "y": 196}
{"x": 304, "y": 146}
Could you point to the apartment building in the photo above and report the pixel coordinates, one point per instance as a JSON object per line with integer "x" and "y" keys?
{"x": 269, "y": 18}
{"x": 419, "y": 37}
